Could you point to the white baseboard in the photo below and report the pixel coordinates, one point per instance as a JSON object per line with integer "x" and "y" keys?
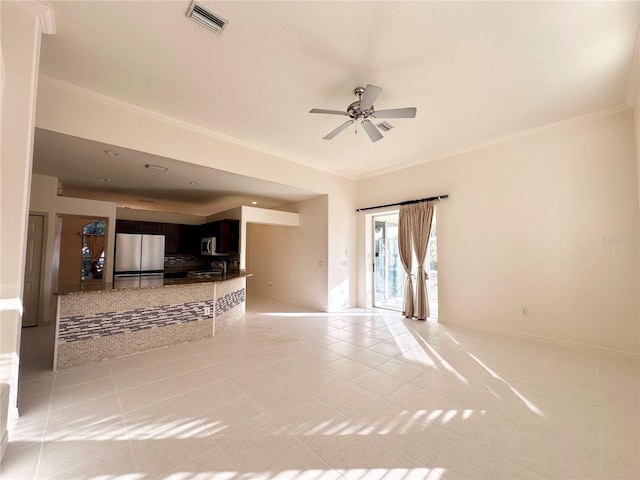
{"x": 287, "y": 302}
{"x": 540, "y": 337}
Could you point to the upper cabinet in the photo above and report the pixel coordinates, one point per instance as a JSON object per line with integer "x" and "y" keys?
{"x": 190, "y": 239}
{"x": 229, "y": 236}
{"x": 151, "y": 227}
{"x": 186, "y": 238}
{"x": 127, "y": 226}
{"x": 134, "y": 226}
{"x": 172, "y": 237}
{"x": 226, "y": 233}
{"x": 173, "y": 232}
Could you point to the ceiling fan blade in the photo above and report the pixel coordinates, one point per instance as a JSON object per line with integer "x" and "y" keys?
{"x": 372, "y": 131}
{"x": 338, "y": 130}
{"x": 331, "y": 112}
{"x": 409, "y": 112}
{"x": 371, "y": 92}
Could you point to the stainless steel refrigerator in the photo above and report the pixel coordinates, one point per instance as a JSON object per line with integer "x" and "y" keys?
{"x": 139, "y": 259}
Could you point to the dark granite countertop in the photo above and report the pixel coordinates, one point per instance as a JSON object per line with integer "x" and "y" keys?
{"x": 140, "y": 282}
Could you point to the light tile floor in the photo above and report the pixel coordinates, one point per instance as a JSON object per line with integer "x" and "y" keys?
{"x": 360, "y": 395}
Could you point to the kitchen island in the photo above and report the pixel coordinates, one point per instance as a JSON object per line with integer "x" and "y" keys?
{"x": 100, "y": 320}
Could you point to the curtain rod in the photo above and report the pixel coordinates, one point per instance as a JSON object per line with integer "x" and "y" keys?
{"x": 406, "y": 202}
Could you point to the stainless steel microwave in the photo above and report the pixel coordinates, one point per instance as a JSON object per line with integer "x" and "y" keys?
{"x": 208, "y": 246}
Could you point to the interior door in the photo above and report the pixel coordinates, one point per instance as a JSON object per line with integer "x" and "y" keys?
{"x": 33, "y": 271}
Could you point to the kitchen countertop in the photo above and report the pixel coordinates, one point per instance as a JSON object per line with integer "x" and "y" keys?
{"x": 152, "y": 283}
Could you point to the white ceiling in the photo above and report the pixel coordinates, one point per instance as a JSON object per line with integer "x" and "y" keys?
{"x": 476, "y": 71}
{"x": 80, "y": 165}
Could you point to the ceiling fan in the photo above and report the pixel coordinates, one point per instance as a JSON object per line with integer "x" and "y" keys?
{"x": 362, "y": 109}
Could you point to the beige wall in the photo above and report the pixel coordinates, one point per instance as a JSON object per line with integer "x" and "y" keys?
{"x": 72, "y": 111}
{"x": 159, "y": 217}
{"x": 246, "y": 215}
{"x": 634, "y": 91}
{"x": 293, "y": 259}
{"x": 44, "y": 200}
{"x": 264, "y": 216}
{"x": 20, "y": 42}
{"x": 233, "y": 214}
{"x": 544, "y": 222}
{"x": 70, "y": 268}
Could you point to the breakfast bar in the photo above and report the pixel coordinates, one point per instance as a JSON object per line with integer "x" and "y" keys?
{"x": 99, "y": 321}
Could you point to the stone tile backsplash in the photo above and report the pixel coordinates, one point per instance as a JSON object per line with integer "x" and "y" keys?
{"x": 227, "y": 302}
{"x": 97, "y": 325}
{"x": 76, "y": 328}
{"x": 184, "y": 263}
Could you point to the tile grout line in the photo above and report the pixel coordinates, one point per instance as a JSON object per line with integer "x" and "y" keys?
{"x": 353, "y": 417}
{"x": 598, "y": 399}
{"x": 124, "y": 421}
{"x": 44, "y": 432}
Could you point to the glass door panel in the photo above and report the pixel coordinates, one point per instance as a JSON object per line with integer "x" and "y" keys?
{"x": 388, "y": 271}
{"x": 380, "y": 272}
{"x": 388, "y": 275}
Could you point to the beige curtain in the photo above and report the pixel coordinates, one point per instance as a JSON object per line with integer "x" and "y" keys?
{"x": 404, "y": 249}
{"x": 421, "y": 215}
{"x": 95, "y": 244}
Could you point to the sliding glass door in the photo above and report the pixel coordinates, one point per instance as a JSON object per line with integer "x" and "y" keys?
{"x": 388, "y": 272}
{"x": 388, "y": 275}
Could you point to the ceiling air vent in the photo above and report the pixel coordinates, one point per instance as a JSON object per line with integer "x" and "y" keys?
{"x": 207, "y": 19}
{"x": 385, "y": 126}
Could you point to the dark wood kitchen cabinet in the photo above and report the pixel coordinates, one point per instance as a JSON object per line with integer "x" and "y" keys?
{"x": 229, "y": 236}
{"x": 226, "y": 233}
{"x": 186, "y": 238}
{"x": 152, "y": 228}
{"x": 211, "y": 229}
{"x": 172, "y": 237}
{"x": 134, "y": 226}
{"x": 127, "y": 226}
{"x": 172, "y": 232}
{"x": 190, "y": 239}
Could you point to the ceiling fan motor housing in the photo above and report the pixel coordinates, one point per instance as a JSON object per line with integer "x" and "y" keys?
{"x": 354, "y": 110}
{"x": 357, "y": 113}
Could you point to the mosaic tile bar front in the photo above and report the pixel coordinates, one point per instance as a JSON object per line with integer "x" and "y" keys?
{"x": 92, "y": 326}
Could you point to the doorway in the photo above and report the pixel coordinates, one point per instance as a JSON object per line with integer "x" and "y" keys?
{"x": 33, "y": 271}
{"x": 388, "y": 274}
{"x": 389, "y": 277}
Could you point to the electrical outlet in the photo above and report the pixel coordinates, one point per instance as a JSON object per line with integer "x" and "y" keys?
{"x": 525, "y": 312}
{"x": 207, "y": 311}
{"x": 270, "y": 282}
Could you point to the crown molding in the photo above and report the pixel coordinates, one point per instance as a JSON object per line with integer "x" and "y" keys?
{"x": 98, "y": 97}
{"x": 622, "y": 107}
{"x": 44, "y": 12}
{"x": 316, "y": 166}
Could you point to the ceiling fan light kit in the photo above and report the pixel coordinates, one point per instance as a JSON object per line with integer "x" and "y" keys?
{"x": 362, "y": 109}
